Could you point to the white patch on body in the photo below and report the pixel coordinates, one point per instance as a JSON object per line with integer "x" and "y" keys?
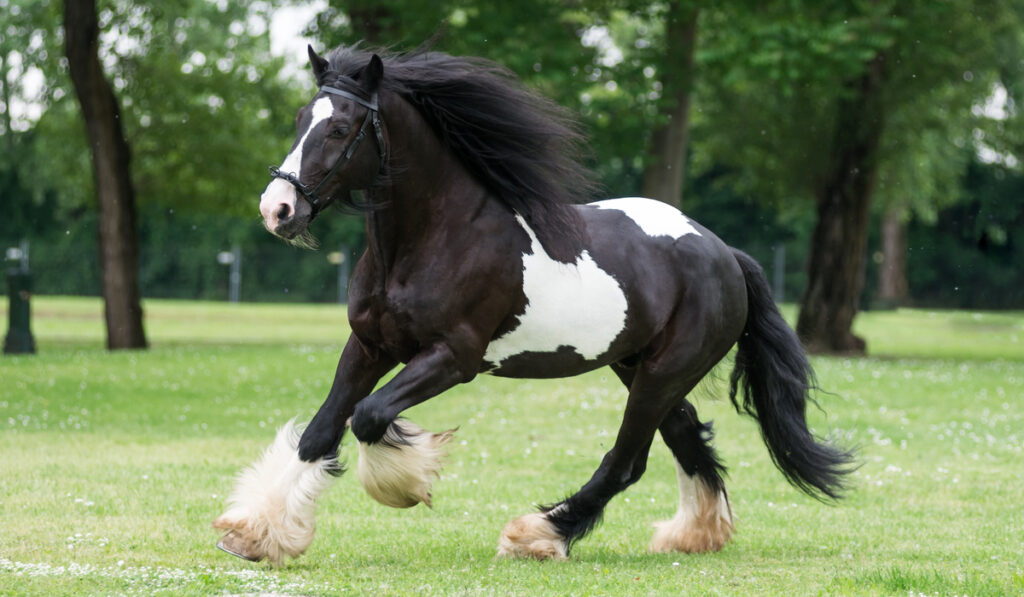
{"x": 281, "y": 192}
{"x": 569, "y": 304}
{"x": 655, "y": 218}
{"x": 273, "y": 505}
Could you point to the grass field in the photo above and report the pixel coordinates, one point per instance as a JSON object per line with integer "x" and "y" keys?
{"x": 113, "y": 465}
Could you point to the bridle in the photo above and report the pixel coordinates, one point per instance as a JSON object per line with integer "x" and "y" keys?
{"x": 312, "y": 194}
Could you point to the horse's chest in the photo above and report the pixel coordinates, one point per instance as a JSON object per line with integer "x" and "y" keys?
{"x": 386, "y": 324}
{"x": 573, "y": 312}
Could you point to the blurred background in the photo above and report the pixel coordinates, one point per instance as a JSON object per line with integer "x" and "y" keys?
{"x": 865, "y": 152}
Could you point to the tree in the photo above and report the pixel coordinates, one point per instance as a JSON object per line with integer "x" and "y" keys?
{"x": 509, "y": 33}
{"x": 207, "y": 108}
{"x": 835, "y": 268}
{"x": 197, "y": 98}
{"x": 28, "y": 27}
{"x": 111, "y": 159}
{"x": 826, "y": 101}
{"x": 931, "y": 48}
{"x": 893, "y": 288}
{"x": 666, "y": 160}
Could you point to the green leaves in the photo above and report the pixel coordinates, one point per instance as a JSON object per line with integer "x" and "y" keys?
{"x": 203, "y": 106}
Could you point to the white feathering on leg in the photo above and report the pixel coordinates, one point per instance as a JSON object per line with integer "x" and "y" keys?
{"x": 532, "y": 536}
{"x": 702, "y": 523}
{"x": 399, "y": 469}
{"x": 273, "y": 504}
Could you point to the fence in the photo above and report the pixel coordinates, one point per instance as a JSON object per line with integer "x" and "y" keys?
{"x": 214, "y": 260}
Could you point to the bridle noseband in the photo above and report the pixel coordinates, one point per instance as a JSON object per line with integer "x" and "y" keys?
{"x": 312, "y": 194}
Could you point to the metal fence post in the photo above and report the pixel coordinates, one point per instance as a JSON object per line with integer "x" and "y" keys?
{"x": 235, "y": 277}
{"x": 340, "y": 259}
{"x": 233, "y": 259}
{"x": 19, "y": 338}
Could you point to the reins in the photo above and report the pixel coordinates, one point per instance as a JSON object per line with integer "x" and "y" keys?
{"x": 312, "y": 194}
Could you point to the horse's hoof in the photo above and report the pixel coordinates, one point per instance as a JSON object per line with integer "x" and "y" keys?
{"x": 532, "y": 536}
{"x": 237, "y": 545}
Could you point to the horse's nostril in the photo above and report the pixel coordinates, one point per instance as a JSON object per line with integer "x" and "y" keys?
{"x": 284, "y": 211}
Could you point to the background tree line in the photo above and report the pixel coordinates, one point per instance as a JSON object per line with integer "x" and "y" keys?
{"x": 874, "y": 140}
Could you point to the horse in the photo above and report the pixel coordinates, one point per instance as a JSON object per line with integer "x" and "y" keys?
{"x": 482, "y": 258}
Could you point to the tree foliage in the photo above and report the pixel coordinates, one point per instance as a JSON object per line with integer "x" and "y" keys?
{"x": 782, "y": 98}
{"x": 206, "y": 107}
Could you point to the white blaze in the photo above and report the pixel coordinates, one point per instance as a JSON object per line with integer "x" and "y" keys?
{"x": 279, "y": 191}
{"x": 569, "y": 304}
{"x": 655, "y": 218}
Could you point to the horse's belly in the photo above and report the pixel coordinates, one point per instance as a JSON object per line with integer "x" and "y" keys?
{"x": 573, "y": 315}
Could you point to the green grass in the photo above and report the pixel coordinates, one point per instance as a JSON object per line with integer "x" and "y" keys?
{"x": 112, "y": 466}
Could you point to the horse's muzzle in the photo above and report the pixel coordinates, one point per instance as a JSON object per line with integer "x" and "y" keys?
{"x": 285, "y": 214}
{"x": 288, "y": 219}
{"x": 290, "y": 226}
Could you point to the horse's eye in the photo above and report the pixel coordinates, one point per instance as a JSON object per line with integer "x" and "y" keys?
{"x": 339, "y": 132}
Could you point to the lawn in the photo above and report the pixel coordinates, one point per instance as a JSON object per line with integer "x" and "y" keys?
{"x": 112, "y": 466}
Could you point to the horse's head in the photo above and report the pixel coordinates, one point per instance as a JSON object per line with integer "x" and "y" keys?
{"x": 339, "y": 148}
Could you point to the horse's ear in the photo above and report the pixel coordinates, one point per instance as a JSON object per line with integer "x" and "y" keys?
{"x": 372, "y": 74}
{"x": 319, "y": 64}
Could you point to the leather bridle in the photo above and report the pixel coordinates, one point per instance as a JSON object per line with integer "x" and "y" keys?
{"x": 312, "y": 193}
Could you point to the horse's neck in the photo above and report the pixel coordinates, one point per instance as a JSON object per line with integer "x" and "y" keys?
{"x": 415, "y": 214}
{"x": 429, "y": 186}
{"x": 380, "y": 237}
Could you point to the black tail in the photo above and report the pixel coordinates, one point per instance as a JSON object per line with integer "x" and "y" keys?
{"x": 776, "y": 378}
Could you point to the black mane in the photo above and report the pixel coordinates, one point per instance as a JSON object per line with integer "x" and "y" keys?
{"x": 522, "y": 147}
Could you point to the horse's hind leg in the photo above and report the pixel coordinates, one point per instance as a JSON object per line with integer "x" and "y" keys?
{"x": 703, "y": 521}
{"x": 549, "y": 534}
{"x": 691, "y": 345}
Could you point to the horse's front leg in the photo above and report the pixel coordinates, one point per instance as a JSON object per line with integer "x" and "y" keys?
{"x": 272, "y": 510}
{"x": 358, "y": 371}
{"x": 397, "y": 459}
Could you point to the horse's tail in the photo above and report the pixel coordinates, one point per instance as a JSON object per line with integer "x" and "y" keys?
{"x": 776, "y": 378}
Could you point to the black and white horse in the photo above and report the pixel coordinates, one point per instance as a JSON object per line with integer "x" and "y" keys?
{"x": 481, "y": 260}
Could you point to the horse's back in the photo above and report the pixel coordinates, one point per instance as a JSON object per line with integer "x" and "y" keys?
{"x": 652, "y": 246}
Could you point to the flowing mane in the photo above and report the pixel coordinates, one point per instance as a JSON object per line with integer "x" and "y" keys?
{"x": 522, "y": 147}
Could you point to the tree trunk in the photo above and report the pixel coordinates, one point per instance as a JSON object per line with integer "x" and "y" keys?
{"x": 663, "y": 175}
{"x": 5, "y": 97}
{"x": 111, "y": 170}
{"x": 893, "y": 289}
{"x": 838, "y": 252}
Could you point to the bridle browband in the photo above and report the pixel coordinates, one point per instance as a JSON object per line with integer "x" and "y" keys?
{"x": 312, "y": 194}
